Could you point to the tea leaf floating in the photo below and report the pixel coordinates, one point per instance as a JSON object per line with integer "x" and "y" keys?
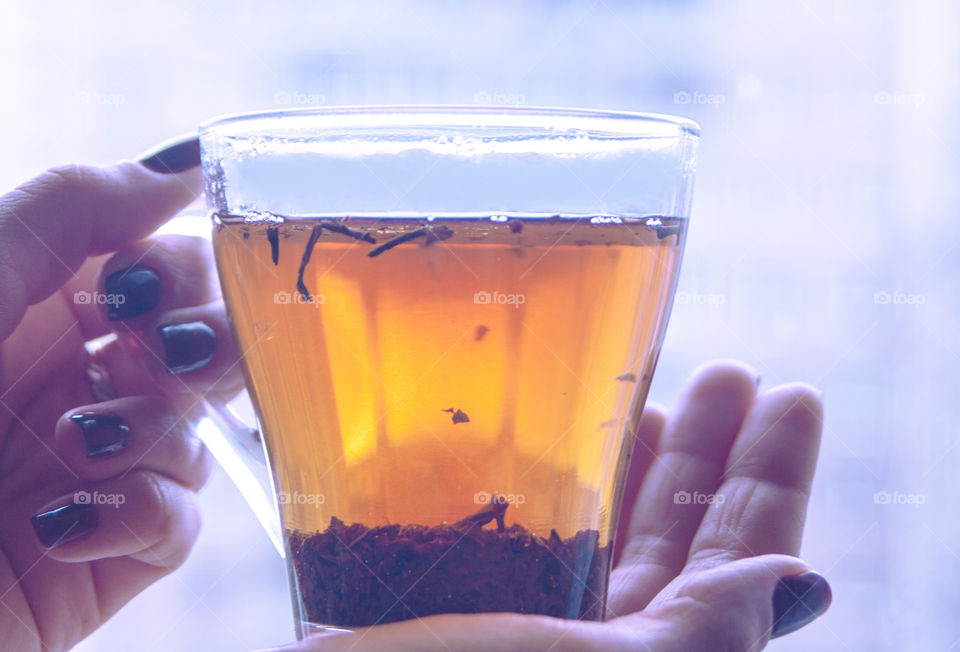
{"x": 273, "y": 235}
{"x": 347, "y": 231}
{"x": 400, "y": 239}
{"x": 459, "y": 416}
{"x": 311, "y": 243}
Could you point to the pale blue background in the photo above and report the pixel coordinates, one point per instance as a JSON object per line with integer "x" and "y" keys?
{"x": 827, "y": 184}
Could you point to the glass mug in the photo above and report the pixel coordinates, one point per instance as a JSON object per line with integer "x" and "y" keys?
{"x": 449, "y": 319}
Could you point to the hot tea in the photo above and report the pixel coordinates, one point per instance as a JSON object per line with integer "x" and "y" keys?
{"x": 448, "y": 403}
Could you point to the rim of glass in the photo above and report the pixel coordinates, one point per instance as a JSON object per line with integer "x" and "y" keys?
{"x": 622, "y": 123}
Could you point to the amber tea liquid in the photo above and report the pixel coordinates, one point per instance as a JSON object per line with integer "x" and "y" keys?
{"x": 466, "y": 357}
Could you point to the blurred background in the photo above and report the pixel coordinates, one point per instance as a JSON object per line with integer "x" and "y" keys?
{"x": 822, "y": 247}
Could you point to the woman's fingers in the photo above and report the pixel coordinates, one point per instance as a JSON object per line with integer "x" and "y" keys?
{"x": 154, "y": 276}
{"x": 761, "y": 505}
{"x": 142, "y": 515}
{"x": 190, "y": 351}
{"x": 174, "y": 334}
{"x": 113, "y": 438}
{"x": 50, "y": 224}
{"x": 676, "y": 489}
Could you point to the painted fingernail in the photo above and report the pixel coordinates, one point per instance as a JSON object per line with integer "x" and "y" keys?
{"x": 103, "y": 434}
{"x": 131, "y": 292}
{"x": 174, "y": 156}
{"x": 799, "y": 600}
{"x": 187, "y": 345}
{"x": 64, "y": 524}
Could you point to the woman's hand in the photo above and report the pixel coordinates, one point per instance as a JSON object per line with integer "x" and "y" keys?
{"x": 705, "y": 560}
{"x": 97, "y": 495}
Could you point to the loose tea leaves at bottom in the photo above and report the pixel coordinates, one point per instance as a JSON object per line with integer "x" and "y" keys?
{"x": 355, "y": 575}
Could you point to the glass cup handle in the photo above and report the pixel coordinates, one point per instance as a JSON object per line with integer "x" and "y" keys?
{"x": 237, "y": 448}
{"x": 235, "y": 445}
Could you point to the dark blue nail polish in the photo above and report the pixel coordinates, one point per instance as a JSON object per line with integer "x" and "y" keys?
{"x": 103, "y": 434}
{"x": 131, "y": 292}
{"x": 187, "y": 346}
{"x": 173, "y": 158}
{"x": 64, "y": 524}
{"x": 799, "y": 600}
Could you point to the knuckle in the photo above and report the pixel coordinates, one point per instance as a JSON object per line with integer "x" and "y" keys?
{"x": 175, "y": 522}
{"x": 71, "y": 179}
{"x": 157, "y": 505}
{"x": 188, "y": 453}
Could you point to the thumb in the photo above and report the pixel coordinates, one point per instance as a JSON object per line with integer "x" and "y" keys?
{"x": 738, "y": 605}
{"x": 50, "y": 224}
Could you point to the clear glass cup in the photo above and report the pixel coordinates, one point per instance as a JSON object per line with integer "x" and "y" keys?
{"x": 449, "y": 320}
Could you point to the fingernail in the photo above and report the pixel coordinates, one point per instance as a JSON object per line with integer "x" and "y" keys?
{"x": 174, "y": 156}
{"x": 187, "y": 346}
{"x": 64, "y": 524}
{"x": 131, "y": 292}
{"x": 799, "y": 600}
{"x": 103, "y": 434}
